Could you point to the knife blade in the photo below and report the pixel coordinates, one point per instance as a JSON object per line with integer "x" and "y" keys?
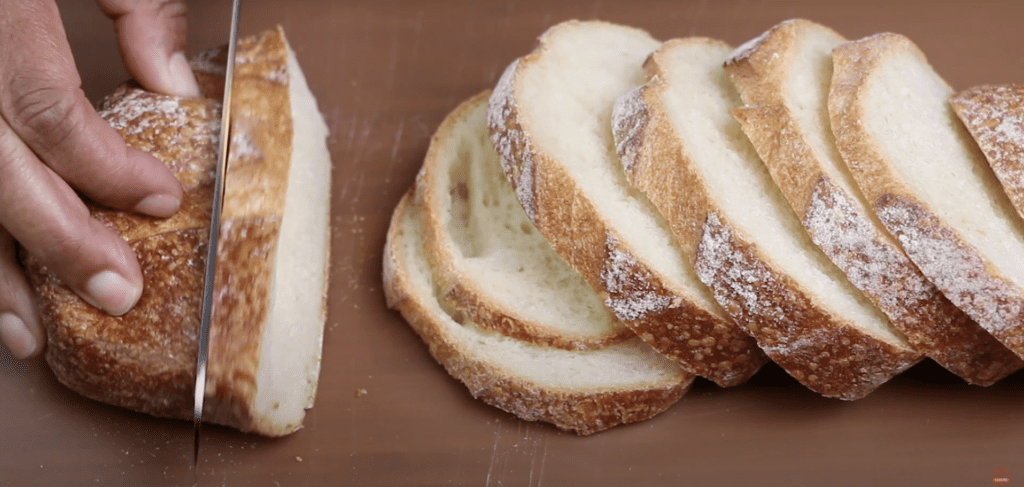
{"x": 202, "y": 357}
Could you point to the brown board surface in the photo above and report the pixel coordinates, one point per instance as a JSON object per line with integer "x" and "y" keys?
{"x": 385, "y": 73}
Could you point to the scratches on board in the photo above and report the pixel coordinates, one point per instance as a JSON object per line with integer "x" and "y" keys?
{"x": 518, "y": 455}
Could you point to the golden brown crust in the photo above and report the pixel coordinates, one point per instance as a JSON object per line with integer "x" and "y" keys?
{"x": 111, "y": 359}
{"x": 994, "y": 114}
{"x": 843, "y": 226}
{"x": 954, "y": 266}
{"x": 699, "y": 341}
{"x": 581, "y": 412}
{"x": 817, "y": 347}
{"x": 145, "y": 360}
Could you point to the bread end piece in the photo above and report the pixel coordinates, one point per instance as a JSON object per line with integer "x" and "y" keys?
{"x": 145, "y": 360}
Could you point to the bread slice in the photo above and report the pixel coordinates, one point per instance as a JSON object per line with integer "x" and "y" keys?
{"x": 783, "y": 77}
{"x": 681, "y": 147}
{"x": 267, "y": 329}
{"x": 927, "y": 181}
{"x": 489, "y": 260}
{"x": 550, "y": 119}
{"x": 994, "y": 115}
{"x": 580, "y": 391}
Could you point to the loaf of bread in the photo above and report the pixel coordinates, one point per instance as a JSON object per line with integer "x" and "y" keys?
{"x": 550, "y": 120}
{"x": 783, "y": 77}
{"x": 584, "y": 391}
{"x": 270, "y": 288}
{"x": 927, "y": 181}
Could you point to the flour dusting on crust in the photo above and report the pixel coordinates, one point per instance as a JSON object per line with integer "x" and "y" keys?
{"x": 629, "y": 118}
{"x": 957, "y": 269}
{"x": 822, "y": 353}
{"x": 510, "y": 141}
{"x": 873, "y": 265}
{"x": 880, "y": 268}
{"x": 630, "y": 297}
{"x": 994, "y": 115}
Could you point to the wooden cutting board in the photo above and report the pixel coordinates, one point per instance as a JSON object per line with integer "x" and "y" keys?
{"x": 385, "y": 74}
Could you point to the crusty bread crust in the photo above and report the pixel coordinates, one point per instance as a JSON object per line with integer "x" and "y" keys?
{"x": 582, "y": 411}
{"x": 145, "y": 359}
{"x": 840, "y": 221}
{"x": 994, "y": 114}
{"x": 702, "y": 341}
{"x": 817, "y": 347}
{"x": 460, "y": 288}
{"x": 953, "y": 265}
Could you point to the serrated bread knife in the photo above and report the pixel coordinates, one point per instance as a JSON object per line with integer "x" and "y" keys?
{"x": 211, "y": 256}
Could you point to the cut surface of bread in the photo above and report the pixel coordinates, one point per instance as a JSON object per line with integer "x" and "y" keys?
{"x": 550, "y": 121}
{"x": 268, "y": 318}
{"x": 783, "y": 77}
{"x": 580, "y": 391}
{"x": 994, "y": 115}
{"x": 927, "y": 180}
{"x": 687, "y": 153}
{"x": 489, "y": 260}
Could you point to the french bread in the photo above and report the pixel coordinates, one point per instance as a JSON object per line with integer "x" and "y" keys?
{"x": 927, "y": 181}
{"x": 581, "y": 391}
{"x": 994, "y": 115}
{"x": 488, "y": 259}
{"x": 550, "y": 121}
{"x": 682, "y": 148}
{"x": 783, "y": 78}
{"x": 271, "y": 280}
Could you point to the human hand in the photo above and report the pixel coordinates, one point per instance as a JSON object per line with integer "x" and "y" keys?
{"x": 53, "y": 143}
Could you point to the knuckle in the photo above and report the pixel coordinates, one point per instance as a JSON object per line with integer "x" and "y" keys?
{"x": 50, "y": 114}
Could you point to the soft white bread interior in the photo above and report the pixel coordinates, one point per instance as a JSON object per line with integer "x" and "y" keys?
{"x": 744, "y": 239}
{"x": 292, "y": 343}
{"x": 550, "y": 121}
{"x": 580, "y": 391}
{"x": 927, "y": 180}
{"x": 270, "y": 288}
{"x": 994, "y": 115}
{"x": 783, "y": 77}
{"x": 489, "y": 260}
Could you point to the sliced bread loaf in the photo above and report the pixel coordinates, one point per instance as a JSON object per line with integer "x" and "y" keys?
{"x": 994, "y": 114}
{"x": 681, "y": 146}
{"x": 783, "y": 77}
{"x": 489, "y": 261}
{"x": 550, "y": 120}
{"x": 927, "y": 181}
{"x": 580, "y": 391}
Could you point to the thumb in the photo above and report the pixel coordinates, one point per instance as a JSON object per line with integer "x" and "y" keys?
{"x": 151, "y": 34}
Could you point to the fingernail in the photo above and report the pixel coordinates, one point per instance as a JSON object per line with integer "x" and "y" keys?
{"x": 111, "y": 293}
{"x": 160, "y": 205}
{"x": 183, "y": 81}
{"x": 16, "y": 336}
